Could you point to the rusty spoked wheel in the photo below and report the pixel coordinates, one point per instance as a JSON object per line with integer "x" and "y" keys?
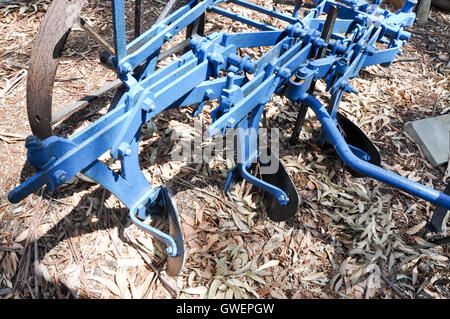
{"x": 49, "y": 44}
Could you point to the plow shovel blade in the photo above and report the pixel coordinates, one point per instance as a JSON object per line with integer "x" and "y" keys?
{"x": 282, "y": 180}
{"x": 354, "y": 136}
{"x": 174, "y": 264}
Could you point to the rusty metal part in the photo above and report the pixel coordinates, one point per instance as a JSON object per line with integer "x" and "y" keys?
{"x": 138, "y": 18}
{"x": 83, "y": 102}
{"x": 165, "y": 12}
{"x": 49, "y": 43}
{"x": 94, "y": 35}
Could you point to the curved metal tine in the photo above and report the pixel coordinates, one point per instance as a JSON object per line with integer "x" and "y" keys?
{"x": 163, "y": 237}
{"x": 283, "y": 181}
{"x": 174, "y": 263}
{"x": 174, "y": 241}
{"x": 326, "y": 35}
{"x": 354, "y": 136}
{"x": 440, "y": 217}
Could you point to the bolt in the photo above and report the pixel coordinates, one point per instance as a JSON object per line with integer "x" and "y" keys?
{"x": 283, "y": 199}
{"x": 32, "y": 142}
{"x": 284, "y": 72}
{"x": 247, "y": 65}
{"x": 216, "y": 59}
{"x": 349, "y": 88}
{"x": 124, "y": 149}
{"x": 230, "y": 80}
{"x": 231, "y": 123}
{"x": 148, "y": 104}
{"x": 127, "y": 67}
{"x": 209, "y": 94}
{"x": 303, "y": 73}
{"x": 168, "y": 36}
{"x": 195, "y": 43}
{"x": 63, "y": 178}
{"x": 60, "y": 176}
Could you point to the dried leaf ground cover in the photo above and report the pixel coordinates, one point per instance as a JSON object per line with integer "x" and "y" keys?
{"x": 351, "y": 238}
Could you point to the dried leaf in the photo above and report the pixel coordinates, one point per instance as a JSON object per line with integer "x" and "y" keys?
{"x": 416, "y": 228}
{"x": 122, "y": 283}
{"x": 108, "y": 284}
{"x": 255, "y": 277}
{"x": 196, "y": 291}
{"x": 142, "y": 289}
{"x": 22, "y": 236}
{"x": 213, "y": 288}
{"x": 211, "y": 241}
{"x": 313, "y": 276}
{"x": 271, "y": 263}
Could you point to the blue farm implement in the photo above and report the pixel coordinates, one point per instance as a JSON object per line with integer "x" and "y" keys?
{"x": 332, "y": 42}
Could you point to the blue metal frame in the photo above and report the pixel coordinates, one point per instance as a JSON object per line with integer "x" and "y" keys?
{"x": 197, "y": 77}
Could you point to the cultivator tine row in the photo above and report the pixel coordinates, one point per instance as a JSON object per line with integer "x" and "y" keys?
{"x": 312, "y": 48}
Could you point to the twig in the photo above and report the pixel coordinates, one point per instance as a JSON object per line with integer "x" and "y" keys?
{"x": 99, "y": 212}
{"x": 8, "y": 248}
{"x": 58, "y": 288}
{"x": 68, "y": 79}
{"x": 26, "y": 256}
{"x": 407, "y": 59}
{"x": 16, "y": 136}
{"x": 36, "y": 265}
{"x": 8, "y": 152}
{"x": 393, "y": 286}
{"x": 80, "y": 264}
{"x": 5, "y": 291}
{"x": 57, "y": 200}
{"x": 27, "y": 266}
{"x": 31, "y": 290}
{"x": 16, "y": 81}
{"x": 172, "y": 290}
{"x": 194, "y": 188}
{"x": 102, "y": 206}
{"x": 114, "y": 243}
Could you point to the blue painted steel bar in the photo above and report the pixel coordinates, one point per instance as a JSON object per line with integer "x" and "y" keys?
{"x": 118, "y": 17}
{"x": 253, "y": 39}
{"x": 364, "y": 167}
{"x": 248, "y": 21}
{"x": 278, "y": 15}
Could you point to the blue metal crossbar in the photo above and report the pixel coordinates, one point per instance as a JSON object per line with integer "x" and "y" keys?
{"x": 213, "y": 69}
